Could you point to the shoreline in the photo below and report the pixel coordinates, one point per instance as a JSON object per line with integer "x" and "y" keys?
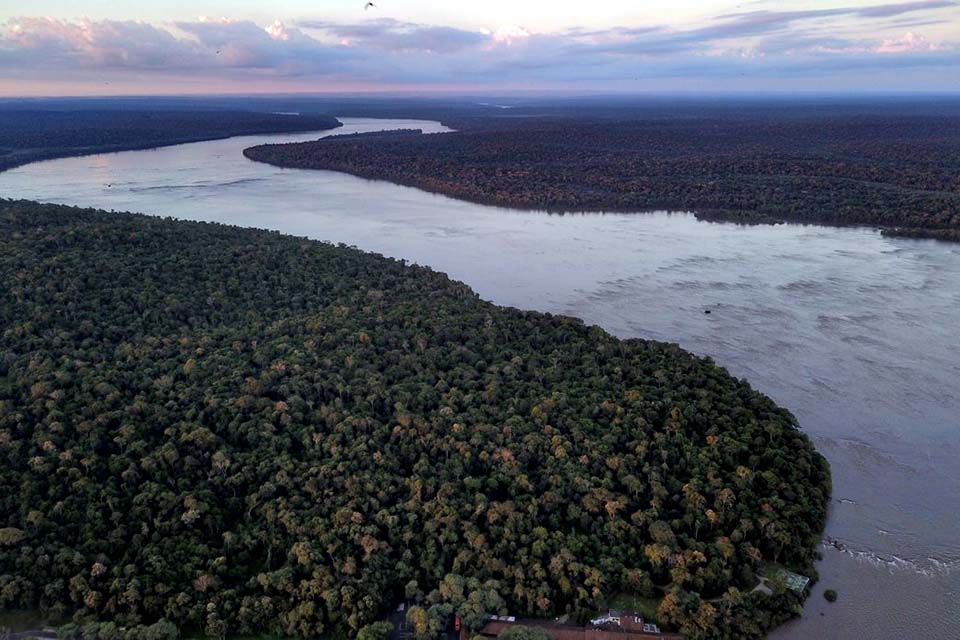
{"x": 701, "y": 214}
{"x": 31, "y": 156}
{"x": 422, "y": 183}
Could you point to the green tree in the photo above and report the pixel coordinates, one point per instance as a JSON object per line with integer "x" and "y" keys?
{"x": 375, "y": 631}
{"x": 521, "y": 632}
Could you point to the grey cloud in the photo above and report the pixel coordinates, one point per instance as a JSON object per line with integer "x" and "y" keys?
{"x": 394, "y": 35}
{"x": 917, "y": 22}
{"x": 899, "y": 8}
{"x": 243, "y": 43}
{"x": 661, "y": 41}
{"x": 869, "y": 11}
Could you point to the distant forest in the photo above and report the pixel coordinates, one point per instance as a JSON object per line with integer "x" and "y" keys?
{"x": 230, "y": 431}
{"x": 28, "y": 135}
{"x": 896, "y": 166}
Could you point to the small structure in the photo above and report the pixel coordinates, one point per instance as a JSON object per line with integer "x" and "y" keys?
{"x": 794, "y": 581}
{"x": 614, "y": 625}
{"x": 609, "y": 618}
{"x": 628, "y": 622}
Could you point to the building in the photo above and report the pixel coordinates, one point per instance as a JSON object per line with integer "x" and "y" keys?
{"x": 614, "y": 625}
{"x": 795, "y": 581}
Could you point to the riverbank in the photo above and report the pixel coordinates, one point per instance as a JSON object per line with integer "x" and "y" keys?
{"x": 35, "y": 135}
{"x": 752, "y": 169}
{"x": 261, "y": 153}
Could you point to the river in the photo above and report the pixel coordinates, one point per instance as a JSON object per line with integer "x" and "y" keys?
{"x": 857, "y": 334}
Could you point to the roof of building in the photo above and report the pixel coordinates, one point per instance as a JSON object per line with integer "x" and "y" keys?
{"x": 795, "y": 581}
{"x": 629, "y": 628}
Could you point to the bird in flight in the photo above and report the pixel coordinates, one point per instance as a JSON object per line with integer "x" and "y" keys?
{"x": 369, "y": 5}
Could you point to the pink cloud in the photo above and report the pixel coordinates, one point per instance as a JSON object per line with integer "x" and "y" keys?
{"x": 910, "y": 42}
{"x": 106, "y": 43}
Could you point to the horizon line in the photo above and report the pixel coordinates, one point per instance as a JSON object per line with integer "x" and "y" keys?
{"x": 513, "y": 93}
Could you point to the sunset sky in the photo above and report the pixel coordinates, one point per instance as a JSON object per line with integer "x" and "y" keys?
{"x": 106, "y": 47}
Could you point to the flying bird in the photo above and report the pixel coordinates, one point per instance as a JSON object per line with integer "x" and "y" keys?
{"x": 369, "y": 5}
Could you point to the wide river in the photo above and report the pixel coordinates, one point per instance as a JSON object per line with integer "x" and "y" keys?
{"x": 857, "y": 334}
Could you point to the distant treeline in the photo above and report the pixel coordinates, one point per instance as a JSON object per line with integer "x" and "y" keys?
{"x": 40, "y": 134}
{"x": 896, "y": 168}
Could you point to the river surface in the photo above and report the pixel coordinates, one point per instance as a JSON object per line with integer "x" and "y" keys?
{"x": 857, "y": 334}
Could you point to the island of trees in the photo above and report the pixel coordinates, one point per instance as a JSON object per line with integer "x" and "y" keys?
{"x": 229, "y": 431}
{"x": 28, "y": 135}
{"x": 898, "y": 168}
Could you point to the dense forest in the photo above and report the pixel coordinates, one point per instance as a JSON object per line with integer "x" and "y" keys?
{"x": 27, "y": 135}
{"x": 896, "y": 168}
{"x": 234, "y": 431}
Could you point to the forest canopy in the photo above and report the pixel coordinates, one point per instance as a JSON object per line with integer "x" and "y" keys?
{"x": 756, "y": 163}
{"x": 236, "y": 431}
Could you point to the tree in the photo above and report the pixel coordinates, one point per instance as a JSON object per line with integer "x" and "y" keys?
{"x": 10, "y": 536}
{"x": 521, "y": 632}
{"x": 376, "y": 631}
{"x": 419, "y": 622}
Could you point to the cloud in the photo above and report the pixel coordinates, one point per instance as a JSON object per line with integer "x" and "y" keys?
{"x": 509, "y": 34}
{"x": 653, "y": 41}
{"x": 85, "y": 43}
{"x": 757, "y": 45}
{"x": 908, "y": 43}
{"x": 738, "y": 25}
{"x": 900, "y": 8}
{"x": 393, "y": 35}
{"x": 244, "y": 44}
{"x": 783, "y": 18}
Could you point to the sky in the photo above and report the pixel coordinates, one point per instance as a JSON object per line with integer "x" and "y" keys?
{"x": 126, "y": 47}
